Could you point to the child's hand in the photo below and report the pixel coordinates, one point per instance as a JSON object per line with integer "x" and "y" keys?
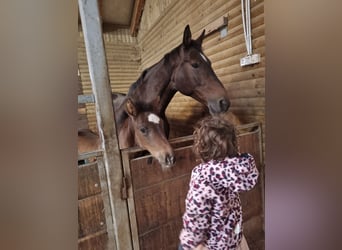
{"x": 243, "y": 155}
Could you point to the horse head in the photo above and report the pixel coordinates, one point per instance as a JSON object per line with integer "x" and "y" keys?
{"x": 148, "y": 132}
{"x": 194, "y": 76}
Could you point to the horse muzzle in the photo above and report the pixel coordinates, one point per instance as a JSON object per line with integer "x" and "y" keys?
{"x": 168, "y": 161}
{"x": 219, "y": 106}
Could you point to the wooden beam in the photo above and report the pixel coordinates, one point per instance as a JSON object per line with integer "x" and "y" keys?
{"x": 118, "y": 231}
{"x": 136, "y": 16}
{"x": 213, "y": 26}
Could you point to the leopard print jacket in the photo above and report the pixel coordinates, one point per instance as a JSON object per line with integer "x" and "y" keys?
{"x": 213, "y": 213}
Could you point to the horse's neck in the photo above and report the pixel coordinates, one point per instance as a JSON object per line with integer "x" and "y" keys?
{"x": 126, "y": 134}
{"x": 166, "y": 97}
{"x": 120, "y": 114}
{"x": 156, "y": 87}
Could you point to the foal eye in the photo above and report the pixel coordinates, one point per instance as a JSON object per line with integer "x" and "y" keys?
{"x": 195, "y": 65}
{"x": 143, "y": 130}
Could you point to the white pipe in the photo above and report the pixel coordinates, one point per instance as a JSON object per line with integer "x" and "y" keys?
{"x": 246, "y": 23}
{"x": 249, "y": 35}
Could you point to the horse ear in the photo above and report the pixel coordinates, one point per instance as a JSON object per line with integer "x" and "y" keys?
{"x": 130, "y": 108}
{"x": 187, "y": 36}
{"x": 199, "y": 40}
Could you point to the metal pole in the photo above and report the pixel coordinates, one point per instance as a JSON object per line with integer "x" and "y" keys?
{"x": 92, "y": 30}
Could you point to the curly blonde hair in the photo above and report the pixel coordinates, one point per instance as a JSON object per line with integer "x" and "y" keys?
{"x": 215, "y": 139}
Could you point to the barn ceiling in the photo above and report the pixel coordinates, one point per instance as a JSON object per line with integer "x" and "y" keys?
{"x": 116, "y": 12}
{"x": 121, "y": 14}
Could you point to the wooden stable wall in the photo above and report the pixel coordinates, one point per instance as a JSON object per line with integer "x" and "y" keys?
{"x": 161, "y": 29}
{"x": 123, "y": 60}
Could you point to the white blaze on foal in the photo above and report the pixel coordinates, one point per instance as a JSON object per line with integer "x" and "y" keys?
{"x": 153, "y": 118}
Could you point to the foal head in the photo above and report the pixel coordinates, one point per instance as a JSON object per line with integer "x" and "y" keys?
{"x": 148, "y": 129}
{"x": 195, "y": 77}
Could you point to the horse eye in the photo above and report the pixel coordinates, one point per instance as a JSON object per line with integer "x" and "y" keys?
{"x": 143, "y": 130}
{"x": 195, "y": 65}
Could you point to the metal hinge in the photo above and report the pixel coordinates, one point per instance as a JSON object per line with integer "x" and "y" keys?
{"x": 124, "y": 189}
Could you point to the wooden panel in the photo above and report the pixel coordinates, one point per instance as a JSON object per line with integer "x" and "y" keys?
{"x": 251, "y": 200}
{"x": 95, "y": 221}
{"x": 171, "y": 232}
{"x": 164, "y": 238}
{"x": 150, "y": 208}
{"x": 159, "y": 198}
{"x": 88, "y": 181}
{"x": 96, "y": 241}
{"x": 146, "y": 174}
{"x": 156, "y": 199}
{"x": 151, "y": 240}
{"x": 91, "y": 217}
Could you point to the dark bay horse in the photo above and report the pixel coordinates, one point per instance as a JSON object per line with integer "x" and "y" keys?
{"x": 185, "y": 69}
{"x": 137, "y": 125}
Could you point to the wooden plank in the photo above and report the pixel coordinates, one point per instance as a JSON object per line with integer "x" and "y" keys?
{"x": 156, "y": 200}
{"x": 150, "y": 208}
{"x": 171, "y": 232}
{"x": 126, "y": 154}
{"x": 136, "y": 16}
{"x": 215, "y": 25}
{"x": 88, "y": 181}
{"x": 83, "y": 156}
{"x": 251, "y": 142}
{"x": 152, "y": 240}
{"x": 91, "y": 217}
{"x": 96, "y": 241}
{"x": 146, "y": 173}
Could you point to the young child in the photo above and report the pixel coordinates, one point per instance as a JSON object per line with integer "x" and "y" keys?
{"x": 213, "y": 213}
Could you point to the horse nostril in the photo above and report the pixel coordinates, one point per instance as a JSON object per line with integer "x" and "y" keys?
{"x": 224, "y": 104}
{"x": 170, "y": 159}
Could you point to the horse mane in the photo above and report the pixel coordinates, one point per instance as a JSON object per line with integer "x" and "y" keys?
{"x": 137, "y": 82}
{"x": 166, "y": 61}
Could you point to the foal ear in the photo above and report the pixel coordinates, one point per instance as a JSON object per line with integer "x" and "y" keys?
{"x": 187, "y": 36}
{"x": 199, "y": 40}
{"x": 131, "y": 108}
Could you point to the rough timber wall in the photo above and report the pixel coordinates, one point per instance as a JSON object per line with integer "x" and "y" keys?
{"x": 123, "y": 59}
{"x": 161, "y": 30}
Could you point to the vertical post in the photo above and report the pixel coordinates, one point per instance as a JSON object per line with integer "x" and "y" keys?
{"x": 92, "y": 30}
